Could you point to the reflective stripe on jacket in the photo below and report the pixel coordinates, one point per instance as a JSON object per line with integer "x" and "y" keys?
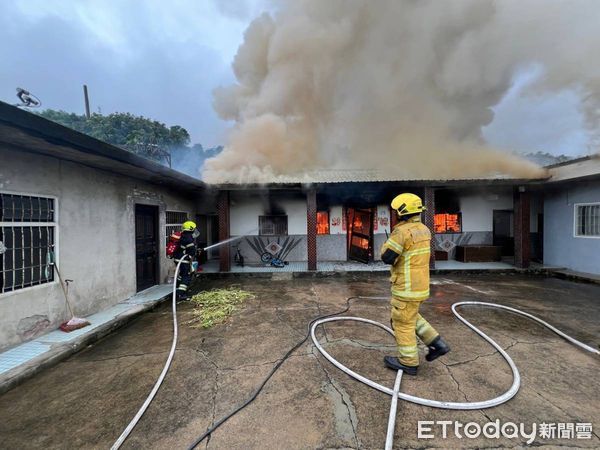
{"x": 411, "y": 240}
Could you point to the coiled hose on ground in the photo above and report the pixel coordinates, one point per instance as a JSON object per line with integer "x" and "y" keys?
{"x": 395, "y": 392}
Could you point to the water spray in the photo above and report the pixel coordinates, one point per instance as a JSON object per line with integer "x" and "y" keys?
{"x": 226, "y": 241}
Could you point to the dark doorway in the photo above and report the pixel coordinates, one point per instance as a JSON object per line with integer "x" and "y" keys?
{"x": 502, "y": 231}
{"x": 360, "y": 234}
{"x": 537, "y": 240}
{"x": 213, "y": 226}
{"x": 146, "y": 246}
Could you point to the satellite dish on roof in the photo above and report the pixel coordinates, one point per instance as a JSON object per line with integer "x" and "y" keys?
{"x": 28, "y": 100}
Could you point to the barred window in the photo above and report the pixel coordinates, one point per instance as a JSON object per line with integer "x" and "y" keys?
{"x": 587, "y": 220}
{"x": 27, "y": 235}
{"x": 174, "y": 220}
{"x": 273, "y": 225}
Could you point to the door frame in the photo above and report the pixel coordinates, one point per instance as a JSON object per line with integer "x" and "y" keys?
{"x": 349, "y": 225}
{"x": 510, "y": 213}
{"x": 156, "y": 217}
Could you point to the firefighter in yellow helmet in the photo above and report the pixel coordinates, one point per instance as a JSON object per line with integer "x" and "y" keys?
{"x": 407, "y": 250}
{"x": 187, "y": 247}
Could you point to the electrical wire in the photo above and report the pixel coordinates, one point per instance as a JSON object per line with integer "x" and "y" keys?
{"x": 271, "y": 373}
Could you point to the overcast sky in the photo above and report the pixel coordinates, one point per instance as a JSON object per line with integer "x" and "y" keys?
{"x": 162, "y": 59}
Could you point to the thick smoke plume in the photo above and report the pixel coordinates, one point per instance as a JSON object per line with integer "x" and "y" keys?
{"x": 402, "y": 86}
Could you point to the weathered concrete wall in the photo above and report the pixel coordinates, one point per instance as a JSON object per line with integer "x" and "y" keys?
{"x": 298, "y": 253}
{"x": 467, "y": 238}
{"x": 561, "y": 247}
{"x": 95, "y": 237}
{"x": 331, "y": 247}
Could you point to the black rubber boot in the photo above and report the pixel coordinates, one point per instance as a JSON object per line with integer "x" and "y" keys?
{"x": 437, "y": 348}
{"x": 181, "y": 296}
{"x": 395, "y": 364}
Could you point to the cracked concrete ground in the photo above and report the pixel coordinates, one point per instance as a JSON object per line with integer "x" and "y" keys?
{"x": 87, "y": 400}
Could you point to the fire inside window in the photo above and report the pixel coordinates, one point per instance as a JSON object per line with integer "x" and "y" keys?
{"x": 448, "y": 223}
{"x": 322, "y": 222}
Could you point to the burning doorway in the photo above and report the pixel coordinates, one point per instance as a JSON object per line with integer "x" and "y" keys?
{"x": 360, "y": 234}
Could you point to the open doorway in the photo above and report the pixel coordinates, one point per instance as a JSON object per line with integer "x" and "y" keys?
{"x": 212, "y": 225}
{"x": 503, "y": 231}
{"x": 360, "y": 234}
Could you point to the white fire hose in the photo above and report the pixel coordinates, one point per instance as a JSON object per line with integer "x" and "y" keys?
{"x": 163, "y": 374}
{"x": 395, "y": 393}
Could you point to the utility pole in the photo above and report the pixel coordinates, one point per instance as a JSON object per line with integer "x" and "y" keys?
{"x": 87, "y": 101}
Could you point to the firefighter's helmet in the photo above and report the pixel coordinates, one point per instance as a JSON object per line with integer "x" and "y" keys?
{"x": 188, "y": 226}
{"x": 407, "y": 203}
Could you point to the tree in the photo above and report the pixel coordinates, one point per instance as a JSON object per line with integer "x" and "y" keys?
{"x": 138, "y": 134}
{"x": 545, "y": 158}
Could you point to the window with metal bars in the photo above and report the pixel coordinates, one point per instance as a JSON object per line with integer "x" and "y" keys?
{"x": 273, "y": 225}
{"x": 587, "y": 220}
{"x": 27, "y": 235}
{"x": 174, "y": 220}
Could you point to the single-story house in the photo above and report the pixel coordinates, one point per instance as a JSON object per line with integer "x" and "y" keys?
{"x": 345, "y": 215}
{"x": 571, "y": 231}
{"x": 99, "y": 212}
{"x": 103, "y": 215}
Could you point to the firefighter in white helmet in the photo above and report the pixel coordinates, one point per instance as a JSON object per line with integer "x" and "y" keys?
{"x": 408, "y": 250}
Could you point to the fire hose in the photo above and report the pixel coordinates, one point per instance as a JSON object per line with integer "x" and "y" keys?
{"x": 395, "y": 393}
{"x": 129, "y": 428}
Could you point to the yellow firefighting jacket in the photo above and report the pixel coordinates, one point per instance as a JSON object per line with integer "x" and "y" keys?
{"x": 410, "y": 272}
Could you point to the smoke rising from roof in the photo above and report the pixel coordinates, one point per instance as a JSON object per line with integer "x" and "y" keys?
{"x": 398, "y": 85}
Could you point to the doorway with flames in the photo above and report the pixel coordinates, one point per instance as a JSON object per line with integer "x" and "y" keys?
{"x": 361, "y": 231}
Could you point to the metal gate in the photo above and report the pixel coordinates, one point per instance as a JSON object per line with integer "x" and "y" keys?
{"x": 146, "y": 246}
{"x": 360, "y": 231}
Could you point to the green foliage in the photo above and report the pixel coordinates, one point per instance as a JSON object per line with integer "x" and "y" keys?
{"x": 545, "y": 158}
{"x": 215, "y": 306}
{"x": 146, "y": 137}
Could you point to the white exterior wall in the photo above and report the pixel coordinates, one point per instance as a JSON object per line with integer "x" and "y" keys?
{"x": 245, "y": 209}
{"x": 477, "y": 209}
{"x": 336, "y": 220}
{"x": 95, "y": 239}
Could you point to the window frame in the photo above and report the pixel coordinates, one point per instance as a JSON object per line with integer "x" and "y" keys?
{"x": 55, "y": 245}
{"x": 167, "y": 225}
{"x": 324, "y": 211}
{"x": 274, "y": 215}
{"x": 460, "y": 221}
{"x": 575, "y": 219}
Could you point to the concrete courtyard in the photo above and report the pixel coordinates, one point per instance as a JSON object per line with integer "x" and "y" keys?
{"x": 87, "y": 400}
